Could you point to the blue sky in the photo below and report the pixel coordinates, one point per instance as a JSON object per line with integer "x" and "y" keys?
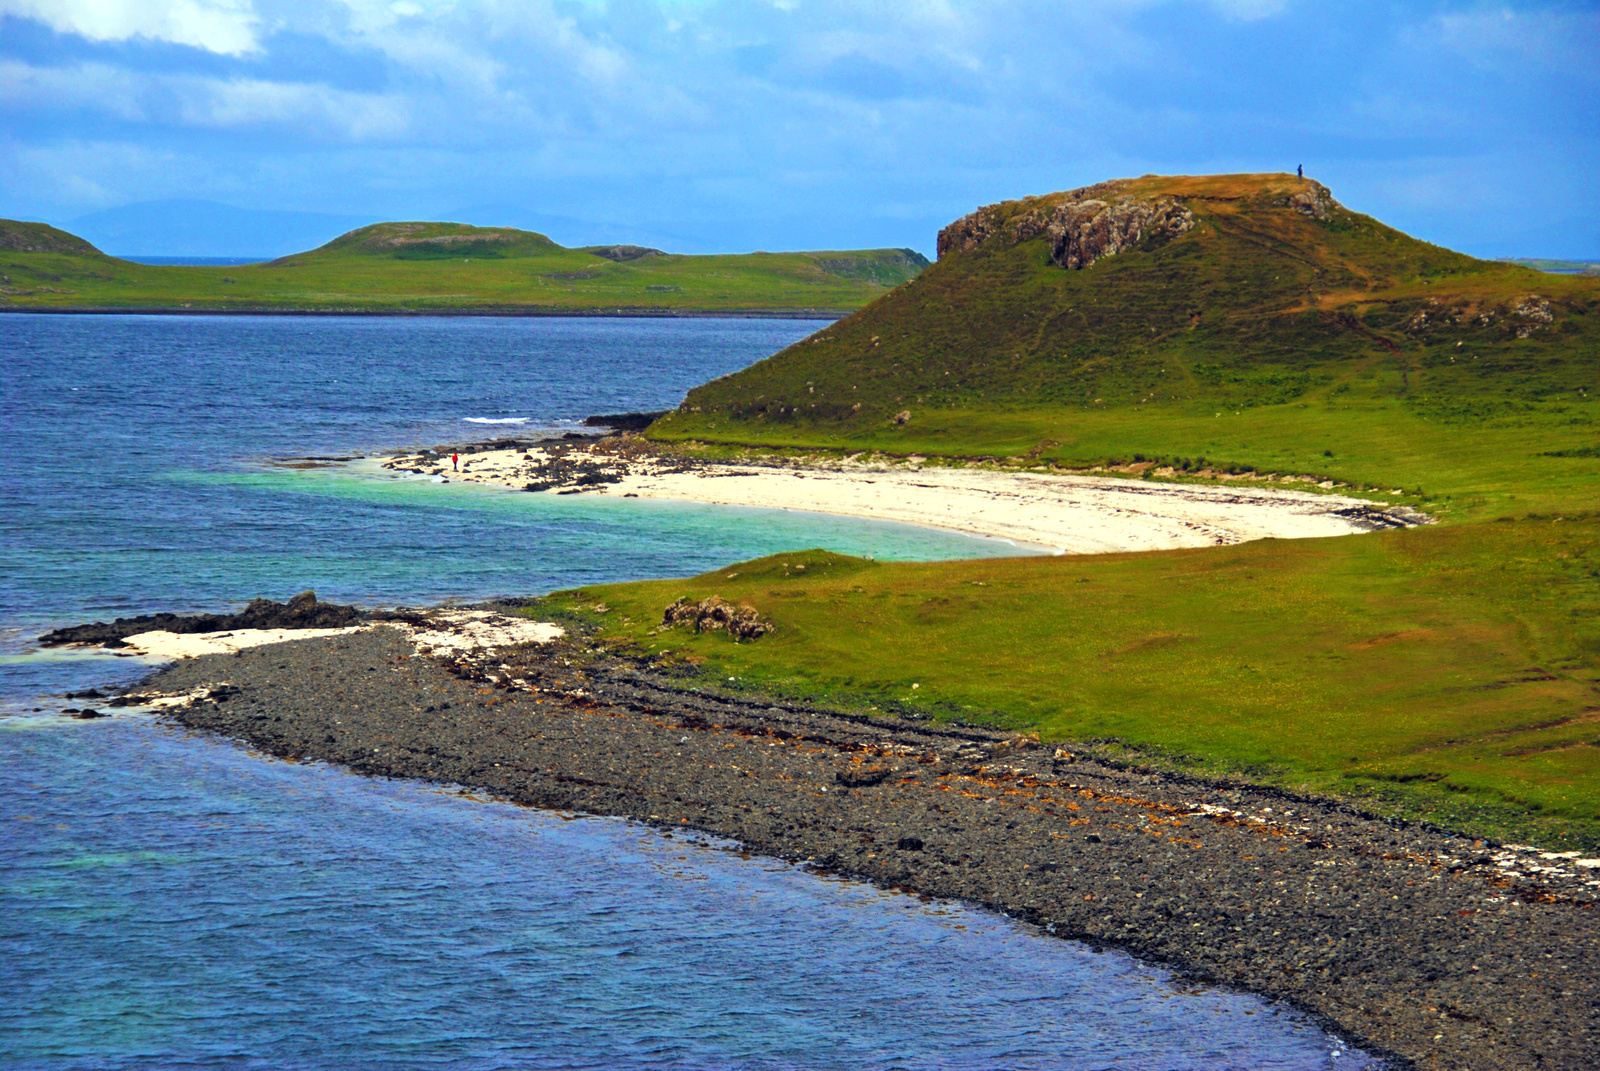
{"x": 800, "y": 123}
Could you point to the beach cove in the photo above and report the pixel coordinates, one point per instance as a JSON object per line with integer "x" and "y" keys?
{"x": 1037, "y": 511}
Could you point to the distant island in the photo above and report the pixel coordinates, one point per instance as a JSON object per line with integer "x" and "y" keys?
{"x": 445, "y": 268}
{"x": 1559, "y": 267}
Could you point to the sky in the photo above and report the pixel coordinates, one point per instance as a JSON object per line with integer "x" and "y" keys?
{"x": 730, "y": 125}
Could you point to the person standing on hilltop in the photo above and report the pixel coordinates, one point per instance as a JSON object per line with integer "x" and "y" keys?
{"x": 1300, "y": 170}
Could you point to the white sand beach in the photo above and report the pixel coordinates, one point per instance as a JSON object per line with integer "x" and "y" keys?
{"x": 447, "y": 631}
{"x": 1063, "y": 514}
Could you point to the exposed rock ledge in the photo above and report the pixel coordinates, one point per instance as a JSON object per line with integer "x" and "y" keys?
{"x": 1085, "y": 226}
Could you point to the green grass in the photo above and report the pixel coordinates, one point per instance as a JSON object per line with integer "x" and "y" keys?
{"x": 1448, "y": 671}
{"x": 1445, "y": 673}
{"x": 997, "y": 350}
{"x": 446, "y": 268}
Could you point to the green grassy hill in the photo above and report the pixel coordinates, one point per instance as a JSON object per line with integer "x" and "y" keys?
{"x": 448, "y": 267}
{"x": 1274, "y": 330}
{"x": 1242, "y": 323}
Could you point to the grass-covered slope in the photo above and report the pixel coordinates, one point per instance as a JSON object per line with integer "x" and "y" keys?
{"x": 1238, "y": 322}
{"x": 1449, "y": 673}
{"x": 1278, "y": 330}
{"x": 448, "y": 267}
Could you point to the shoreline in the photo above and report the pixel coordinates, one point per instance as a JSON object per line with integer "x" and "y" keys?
{"x": 1042, "y": 512}
{"x": 1411, "y": 941}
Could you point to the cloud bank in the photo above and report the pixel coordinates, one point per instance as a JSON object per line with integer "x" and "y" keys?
{"x": 798, "y": 122}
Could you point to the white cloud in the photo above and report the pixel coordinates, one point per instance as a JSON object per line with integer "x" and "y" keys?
{"x": 227, "y": 27}
{"x": 317, "y": 109}
{"x": 94, "y": 86}
{"x": 310, "y": 109}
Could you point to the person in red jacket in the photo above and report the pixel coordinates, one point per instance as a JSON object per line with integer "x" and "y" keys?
{"x": 455, "y": 462}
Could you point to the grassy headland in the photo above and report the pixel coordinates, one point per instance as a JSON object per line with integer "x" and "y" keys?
{"x": 1451, "y": 671}
{"x": 447, "y": 267}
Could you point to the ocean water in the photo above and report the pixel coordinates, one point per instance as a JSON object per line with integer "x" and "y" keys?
{"x": 170, "y": 900}
{"x": 141, "y": 470}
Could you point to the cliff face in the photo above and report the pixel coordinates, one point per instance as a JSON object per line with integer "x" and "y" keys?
{"x": 1316, "y": 201}
{"x": 1081, "y": 226}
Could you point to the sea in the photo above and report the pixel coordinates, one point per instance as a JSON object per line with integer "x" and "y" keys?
{"x": 174, "y": 900}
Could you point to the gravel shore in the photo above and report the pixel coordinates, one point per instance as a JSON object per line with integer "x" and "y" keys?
{"x": 1412, "y": 942}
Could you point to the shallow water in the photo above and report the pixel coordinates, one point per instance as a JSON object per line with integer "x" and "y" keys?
{"x": 170, "y": 900}
{"x": 140, "y": 475}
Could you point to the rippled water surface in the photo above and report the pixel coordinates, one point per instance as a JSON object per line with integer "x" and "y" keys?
{"x": 141, "y": 469}
{"x": 172, "y": 901}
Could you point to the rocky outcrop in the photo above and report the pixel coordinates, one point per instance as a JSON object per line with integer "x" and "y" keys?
{"x": 302, "y": 611}
{"x": 1084, "y": 226}
{"x": 715, "y": 614}
{"x": 621, "y": 254}
{"x": 624, "y": 421}
{"x": 1082, "y": 232}
{"x": 1315, "y": 201}
{"x": 1531, "y": 313}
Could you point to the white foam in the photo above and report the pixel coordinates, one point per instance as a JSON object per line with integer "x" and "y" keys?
{"x": 495, "y": 420}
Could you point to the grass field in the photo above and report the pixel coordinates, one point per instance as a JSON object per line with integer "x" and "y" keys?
{"x": 1450, "y": 671}
{"x": 1447, "y": 673}
{"x": 422, "y": 268}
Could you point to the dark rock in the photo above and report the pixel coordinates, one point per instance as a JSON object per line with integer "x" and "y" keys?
{"x": 621, "y": 254}
{"x": 714, "y": 614}
{"x": 624, "y": 421}
{"x": 302, "y": 611}
{"x": 909, "y": 844}
{"x": 87, "y": 714}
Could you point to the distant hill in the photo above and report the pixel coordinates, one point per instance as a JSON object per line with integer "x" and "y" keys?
{"x": 421, "y": 267}
{"x": 431, "y": 241}
{"x": 1136, "y": 302}
{"x": 1561, "y": 267}
{"x": 19, "y": 237}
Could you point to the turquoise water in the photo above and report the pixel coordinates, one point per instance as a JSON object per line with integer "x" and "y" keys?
{"x": 141, "y": 474}
{"x": 170, "y": 900}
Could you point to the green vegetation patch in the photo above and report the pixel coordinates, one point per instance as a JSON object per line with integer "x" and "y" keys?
{"x": 1261, "y": 305}
{"x": 1449, "y": 673}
